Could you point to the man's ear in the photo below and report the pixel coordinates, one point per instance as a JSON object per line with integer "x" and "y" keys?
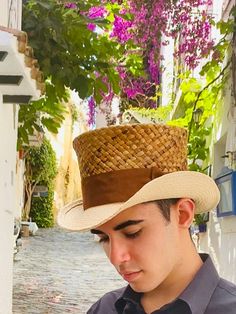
{"x": 185, "y": 210}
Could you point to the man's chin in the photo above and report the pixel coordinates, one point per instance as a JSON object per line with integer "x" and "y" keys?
{"x": 141, "y": 287}
{"x": 138, "y": 287}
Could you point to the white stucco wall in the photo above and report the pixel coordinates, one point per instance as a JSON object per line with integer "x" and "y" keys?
{"x": 220, "y": 238}
{"x": 10, "y": 13}
{"x": 10, "y": 16}
{"x": 167, "y": 76}
{"x": 220, "y": 242}
{"x": 8, "y": 132}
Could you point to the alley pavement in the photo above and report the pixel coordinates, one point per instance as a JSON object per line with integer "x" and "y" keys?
{"x": 57, "y": 271}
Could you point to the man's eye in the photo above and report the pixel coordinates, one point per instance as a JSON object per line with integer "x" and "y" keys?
{"x": 133, "y": 235}
{"x": 103, "y": 239}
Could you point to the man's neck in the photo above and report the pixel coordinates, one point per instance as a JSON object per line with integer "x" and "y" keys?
{"x": 173, "y": 285}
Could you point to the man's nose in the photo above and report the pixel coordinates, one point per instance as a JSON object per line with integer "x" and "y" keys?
{"x": 119, "y": 252}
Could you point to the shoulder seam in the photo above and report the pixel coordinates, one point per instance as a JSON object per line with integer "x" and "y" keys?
{"x": 221, "y": 286}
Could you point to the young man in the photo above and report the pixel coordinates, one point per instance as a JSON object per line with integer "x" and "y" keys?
{"x": 139, "y": 198}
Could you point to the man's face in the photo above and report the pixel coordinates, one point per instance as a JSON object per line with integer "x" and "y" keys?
{"x": 143, "y": 246}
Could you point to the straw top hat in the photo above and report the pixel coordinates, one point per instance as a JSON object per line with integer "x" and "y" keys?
{"x": 122, "y": 166}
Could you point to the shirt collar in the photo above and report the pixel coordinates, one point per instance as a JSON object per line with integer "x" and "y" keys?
{"x": 197, "y": 294}
{"x": 128, "y": 296}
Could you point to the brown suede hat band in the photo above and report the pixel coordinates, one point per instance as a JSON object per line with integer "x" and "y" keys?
{"x": 115, "y": 186}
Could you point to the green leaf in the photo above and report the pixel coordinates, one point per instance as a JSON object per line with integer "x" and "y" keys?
{"x": 189, "y": 97}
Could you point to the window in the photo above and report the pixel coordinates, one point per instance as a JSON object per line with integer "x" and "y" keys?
{"x": 226, "y": 183}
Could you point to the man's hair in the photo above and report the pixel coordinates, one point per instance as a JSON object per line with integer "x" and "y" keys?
{"x": 164, "y": 206}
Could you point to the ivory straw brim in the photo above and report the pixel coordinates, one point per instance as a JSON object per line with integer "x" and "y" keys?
{"x": 182, "y": 184}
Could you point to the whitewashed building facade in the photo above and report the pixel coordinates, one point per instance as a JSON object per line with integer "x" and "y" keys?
{"x": 16, "y": 86}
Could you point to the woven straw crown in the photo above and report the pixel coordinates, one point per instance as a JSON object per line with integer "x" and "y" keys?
{"x": 132, "y": 146}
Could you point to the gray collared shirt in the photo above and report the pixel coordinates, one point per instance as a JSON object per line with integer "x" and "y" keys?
{"x": 206, "y": 294}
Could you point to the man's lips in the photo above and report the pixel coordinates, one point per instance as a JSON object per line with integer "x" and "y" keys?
{"x": 131, "y": 275}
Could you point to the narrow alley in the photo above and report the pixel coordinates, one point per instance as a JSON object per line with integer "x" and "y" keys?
{"x": 57, "y": 271}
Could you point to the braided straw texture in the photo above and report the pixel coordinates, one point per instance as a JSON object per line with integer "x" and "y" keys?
{"x": 132, "y": 146}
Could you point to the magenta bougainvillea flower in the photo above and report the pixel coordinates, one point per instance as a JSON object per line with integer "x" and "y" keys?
{"x": 91, "y": 26}
{"x": 121, "y": 29}
{"x": 91, "y": 111}
{"x": 97, "y": 12}
{"x": 153, "y": 24}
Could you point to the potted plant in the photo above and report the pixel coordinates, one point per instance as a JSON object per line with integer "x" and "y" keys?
{"x": 201, "y": 220}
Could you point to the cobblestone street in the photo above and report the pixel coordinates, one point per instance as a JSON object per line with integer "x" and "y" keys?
{"x": 57, "y": 271}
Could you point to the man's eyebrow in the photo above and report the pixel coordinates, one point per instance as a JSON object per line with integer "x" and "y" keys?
{"x": 119, "y": 227}
{"x": 126, "y": 224}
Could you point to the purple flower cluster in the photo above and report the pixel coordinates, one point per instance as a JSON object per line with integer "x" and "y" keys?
{"x": 121, "y": 29}
{"x": 91, "y": 111}
{"x": 109, "y": 94}
{"x": 154, "y": 67}
{"x": 187, "y": 21}
{"x": 97, "y": 12}
{"x": 91, "y": 26}
{"x": 193, "y": 48}
{"x": 136, "y": 88}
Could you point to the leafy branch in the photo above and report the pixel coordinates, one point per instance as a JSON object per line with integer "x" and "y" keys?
{"x": 221, "y": 74}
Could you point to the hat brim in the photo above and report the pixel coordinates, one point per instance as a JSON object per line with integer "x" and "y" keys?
{"x": 181, "y": 184}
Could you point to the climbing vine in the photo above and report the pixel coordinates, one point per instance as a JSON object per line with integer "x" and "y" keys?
{"x": 202, "y": 94}
{"x": 205, "y": 94}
